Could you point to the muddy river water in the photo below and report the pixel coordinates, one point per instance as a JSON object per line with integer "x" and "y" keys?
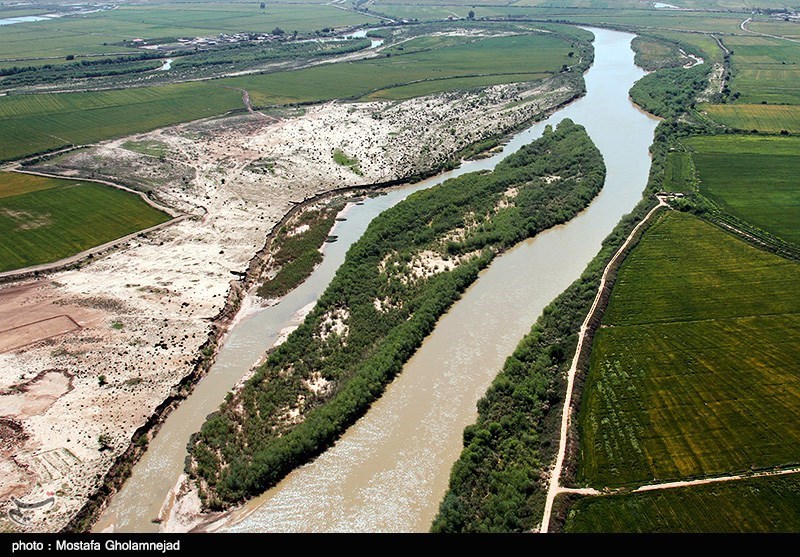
{"x": 390, "y": 470}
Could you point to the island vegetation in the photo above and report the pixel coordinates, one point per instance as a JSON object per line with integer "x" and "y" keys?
{"x": 410, "y": 265}
{"x": 295, "y": 250}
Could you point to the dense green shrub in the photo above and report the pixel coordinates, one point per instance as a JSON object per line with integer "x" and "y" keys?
{"x": 670, "y": 92}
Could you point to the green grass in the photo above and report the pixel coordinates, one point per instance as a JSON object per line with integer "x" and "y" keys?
{"x": 151, "y": 147}
{"x": 340, "y": 158}
{"x": 432, "y": 42}
{"x": 769, "y": 504}
{"x": 678, "y": 172}
{"x": 696, "y": 369}
{"x": 765, "y": 69}
{"x": 753, "y": 178}
{"x": 770, "y": 118}
{"x": 57, "y": 218}
{"x": 34, "y": 123}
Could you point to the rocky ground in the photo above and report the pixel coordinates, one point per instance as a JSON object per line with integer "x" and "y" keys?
{"x": 87, "y": 355}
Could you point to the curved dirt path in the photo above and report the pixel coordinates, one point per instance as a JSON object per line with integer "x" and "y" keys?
{"x": 555, "y": 486}
{"x": 743, "y": 27}
{"x": 171, "y": 212}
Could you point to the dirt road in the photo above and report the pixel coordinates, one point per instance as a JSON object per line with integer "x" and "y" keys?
{"x": 555, "y": 477}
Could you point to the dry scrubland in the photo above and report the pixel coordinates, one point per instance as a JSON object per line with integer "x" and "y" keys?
{"x": 105, "y": 344}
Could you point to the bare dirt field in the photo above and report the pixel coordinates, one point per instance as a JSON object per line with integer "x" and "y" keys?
{"x": 87, "y": 355}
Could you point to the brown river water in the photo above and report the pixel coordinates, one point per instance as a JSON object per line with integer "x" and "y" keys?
{"x": 390, "y": 470}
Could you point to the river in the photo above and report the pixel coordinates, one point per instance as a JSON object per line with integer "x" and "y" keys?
{"x": 390, "y": 470}
{"x": 47, "y": 17}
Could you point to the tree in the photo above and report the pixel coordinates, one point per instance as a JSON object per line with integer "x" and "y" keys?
{"x": 278, "y": 31}
{"x": 471, "y": 15}
{"x": 70, "y": 56}
{"x": 263, "y": 5}
{"x": 104, "y": 441}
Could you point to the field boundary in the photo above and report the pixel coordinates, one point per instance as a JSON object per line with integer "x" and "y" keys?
{"x": 715, "y": 479}
{"x": 704, "y": 480}
{"x": 555, "y": 485}
{"x": 570, "y": 496}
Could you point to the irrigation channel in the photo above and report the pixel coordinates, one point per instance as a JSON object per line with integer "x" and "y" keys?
{"x": 390, "y": 470}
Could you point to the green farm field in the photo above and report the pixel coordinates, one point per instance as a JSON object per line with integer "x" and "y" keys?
{"x": 766, "y": 504}
{"x": 7, "y": 12}
{"x": 102, "y": 31}
{"x": 47, "y": 121}
{"x": 33, "y": 123}
{"x": 789, "y": 29}
{"x": 612, "y": 13}
{"x": 636, "y": 5}
{"x": 44, "y": 220}
{"x": 695, "y": 369}
{"x": 753, "y": 178}
{"x": 511, "y": 59}
{"x": 764, "y": 69}
{"x": 648, "y": 20}
{"x": 679, "y": 172}
{"x": 770, "y": 118}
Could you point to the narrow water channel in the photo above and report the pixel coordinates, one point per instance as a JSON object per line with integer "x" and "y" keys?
{"x": 390, "y": 470}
